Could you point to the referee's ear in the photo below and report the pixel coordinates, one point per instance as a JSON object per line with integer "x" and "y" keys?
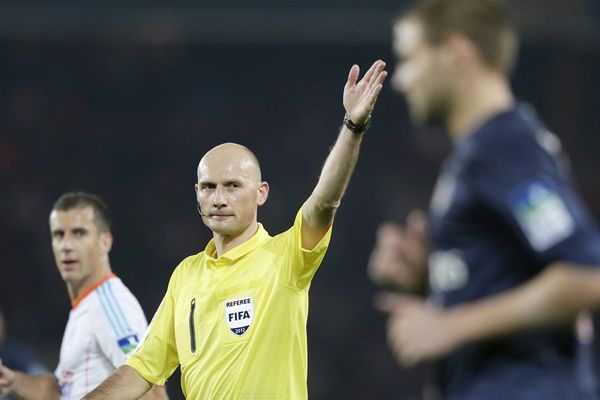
{"x": 263, "y": 193}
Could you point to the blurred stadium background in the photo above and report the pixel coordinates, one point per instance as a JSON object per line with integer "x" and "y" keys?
{"x": 122, "y": 98}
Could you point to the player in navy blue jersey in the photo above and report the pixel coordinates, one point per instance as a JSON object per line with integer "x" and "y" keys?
{"x": 508, "y": 254}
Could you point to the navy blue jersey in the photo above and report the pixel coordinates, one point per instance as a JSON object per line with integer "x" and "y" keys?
{"x": 503, "y": 209}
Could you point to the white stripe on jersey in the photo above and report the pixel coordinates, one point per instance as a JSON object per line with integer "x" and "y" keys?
{"x": 113, "y": 311}
{"x": 119, "y": 312}
{"x": 108, "y": 312}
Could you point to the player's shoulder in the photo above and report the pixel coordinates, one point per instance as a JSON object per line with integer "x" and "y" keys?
{"x": 118, "y": 310}
{"x": 113, "y": 297}
{"x": 516, "y": 126}
{"x": 118, "y": 289}
{"x": 507, "y": 138}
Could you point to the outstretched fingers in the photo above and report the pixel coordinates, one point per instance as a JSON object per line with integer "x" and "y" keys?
{"x": 376, "y": 86}
{"x": 360, "y": 95}
{"x": 353, "y": 76}
{"x": 371, "y": 72}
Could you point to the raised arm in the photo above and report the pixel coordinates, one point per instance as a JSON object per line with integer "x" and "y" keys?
{"x": 419, "y": 332}
{"x": 28, "y": 387}
{"x": 124, "y": 384}
{"x": 359, "y": 100}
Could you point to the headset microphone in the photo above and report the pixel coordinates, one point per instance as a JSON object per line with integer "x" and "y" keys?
{"x": 200, "y": 210}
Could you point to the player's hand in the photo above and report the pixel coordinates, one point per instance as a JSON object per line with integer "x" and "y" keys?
{"x": 360, "y": 96}
{"x": 417, "y": 331}
{"x": 7, "y": 379}
{"x": 399, "y": 258}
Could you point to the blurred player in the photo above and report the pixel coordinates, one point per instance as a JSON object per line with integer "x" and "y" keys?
{"x": 234, "y": 316}
{"x": 17, "y": 355}
{"x": 509, "y": 253}
{"x": 106, "y": 321}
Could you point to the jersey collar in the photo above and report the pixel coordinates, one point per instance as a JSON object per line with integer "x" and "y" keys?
{"x": 241, "y": 250}
{"x": 75, "y": 302}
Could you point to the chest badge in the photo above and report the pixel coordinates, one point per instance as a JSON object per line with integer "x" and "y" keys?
{"x": 239, "y": 314}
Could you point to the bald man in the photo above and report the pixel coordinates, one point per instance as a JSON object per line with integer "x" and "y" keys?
{"x": 234, "y": 315}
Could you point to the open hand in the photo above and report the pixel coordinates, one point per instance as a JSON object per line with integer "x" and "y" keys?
{"x": 360, "y": 96}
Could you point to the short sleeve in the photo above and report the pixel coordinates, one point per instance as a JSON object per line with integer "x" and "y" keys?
{"x": 301, "y": 264}
{"x": 156, "y": 356}
{"x": 123, "y": 324}
{"x": 526, "y": 185}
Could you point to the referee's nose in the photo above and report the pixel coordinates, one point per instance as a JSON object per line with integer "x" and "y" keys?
{"x": 219, "y": 200}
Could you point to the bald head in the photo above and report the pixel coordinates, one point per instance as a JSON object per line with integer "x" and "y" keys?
{"x": 231, "y": 158}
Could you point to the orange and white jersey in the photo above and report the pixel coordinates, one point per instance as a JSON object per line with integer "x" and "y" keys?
{"x": 104, "y": 327}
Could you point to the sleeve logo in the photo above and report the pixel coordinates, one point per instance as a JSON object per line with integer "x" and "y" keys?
{"x": 128, "y": 344}
{"x": 239, "y": 314}
{"x": 542, "y": 214}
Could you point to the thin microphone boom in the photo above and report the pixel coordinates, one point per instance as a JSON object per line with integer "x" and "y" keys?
{"x": 200, "y": 210}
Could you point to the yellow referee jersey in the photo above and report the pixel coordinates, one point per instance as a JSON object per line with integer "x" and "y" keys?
{"x": 236, "y": 323}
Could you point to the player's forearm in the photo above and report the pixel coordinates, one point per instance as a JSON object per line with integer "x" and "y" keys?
{"x": 555, "y": 296}
{"x": 42, "y": 387}
{"x": 124, "y": 384}
{"x": 335, "y": 175}
{"x": 156, "y": 393}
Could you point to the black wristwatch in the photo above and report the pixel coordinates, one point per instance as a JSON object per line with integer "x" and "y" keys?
{"x": 354, "y": 127}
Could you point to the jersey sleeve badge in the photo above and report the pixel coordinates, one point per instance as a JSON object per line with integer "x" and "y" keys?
{"x": 128, "y": 344}
{"x": 541, "y": 214}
